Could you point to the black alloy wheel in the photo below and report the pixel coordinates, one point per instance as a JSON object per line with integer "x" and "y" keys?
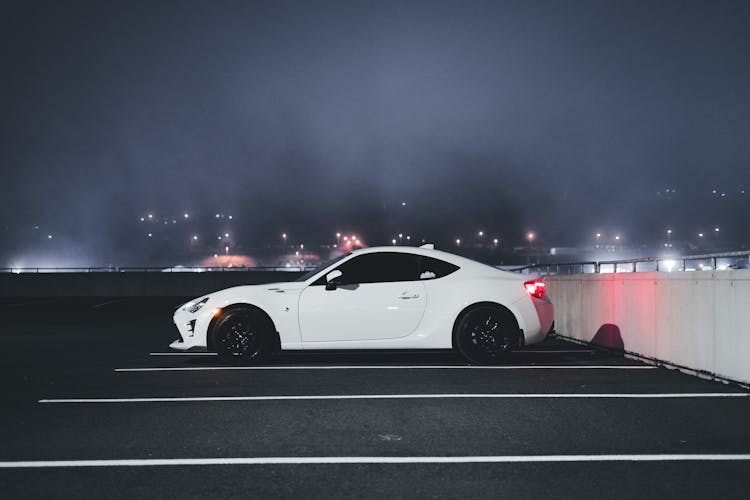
{"x": 486, "y": 334}
{"x": 240, "y": 337}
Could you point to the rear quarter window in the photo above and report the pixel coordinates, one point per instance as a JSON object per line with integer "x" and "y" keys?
{"x": 431, "y": 268}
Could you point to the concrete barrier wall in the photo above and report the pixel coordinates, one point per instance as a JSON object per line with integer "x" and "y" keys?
{"x": 699, "y": 320}
{"x": 132, "y": 284}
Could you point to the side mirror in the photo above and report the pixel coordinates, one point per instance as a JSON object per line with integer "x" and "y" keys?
{"x": 331, "y": 279}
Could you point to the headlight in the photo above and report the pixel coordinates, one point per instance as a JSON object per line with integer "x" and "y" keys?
{"x": 194, "y": 305}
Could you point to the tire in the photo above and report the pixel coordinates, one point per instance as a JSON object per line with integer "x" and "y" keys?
{"x": 243, "y": 336}
{"x": 486, "y": 334}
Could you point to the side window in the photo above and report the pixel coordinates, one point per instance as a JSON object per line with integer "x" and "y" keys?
{"x": 431, "y": 268}
{"x": 383, "y": 267}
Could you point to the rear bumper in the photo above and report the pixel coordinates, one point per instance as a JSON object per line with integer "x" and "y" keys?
{"x": 538, "y": 315}
{"x": 546, "y": 313}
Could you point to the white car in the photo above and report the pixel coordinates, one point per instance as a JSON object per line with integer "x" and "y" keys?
{"x": 374, "y": 298}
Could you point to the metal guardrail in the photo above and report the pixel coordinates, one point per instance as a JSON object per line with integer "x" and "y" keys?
{"x": 706, "y": 262}
{"x": 177, "y": 269}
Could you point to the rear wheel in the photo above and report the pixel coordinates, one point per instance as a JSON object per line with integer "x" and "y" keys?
{"x": 242, "y": 336}
{"x": 486, "y": 334}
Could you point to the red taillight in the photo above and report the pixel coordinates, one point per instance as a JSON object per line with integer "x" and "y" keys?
{"x": 535, "y": 288}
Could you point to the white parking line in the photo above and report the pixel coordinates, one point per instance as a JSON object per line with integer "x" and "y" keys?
{"x": 152, "y": 462}
{"x": 403, "y": 396}
{"x": 524, "y": 351}
{"x": 390, "y": 367}
{"x": 555, "y": 351}
{"x": 182, "y": 354}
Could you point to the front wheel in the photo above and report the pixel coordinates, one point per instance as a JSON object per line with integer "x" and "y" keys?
{"x": 242, "y": 336}
{"x": 486, "y": 334}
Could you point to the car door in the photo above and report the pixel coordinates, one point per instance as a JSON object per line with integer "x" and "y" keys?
{"x": 378, "y": 296}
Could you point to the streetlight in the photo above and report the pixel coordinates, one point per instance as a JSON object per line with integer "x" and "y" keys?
{"x": 617, "y": 237}
{"x": 458, "y": 241}
{"x": 393, "y": 241}
{"x": 495, "y": 241}
{"x": 186, "y": 215}
{"x": 481, "y": 233}
{"x": 669, "y": 237}
{"x": 283, "y": 237}
{"x": 530, "y": 236}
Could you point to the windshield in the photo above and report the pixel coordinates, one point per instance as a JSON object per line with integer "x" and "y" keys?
{"x": 310, "y": 274}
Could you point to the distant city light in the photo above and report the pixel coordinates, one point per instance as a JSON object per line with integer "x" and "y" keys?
{"x": 530, "y": 236}
{"x": 716, "y": 229}
{"x": 700, "y": 235}
{"x": 217, "y": 216}
{"x": 393, "y": 241}
{"x": 142, "y": 219}
{"x": 403, "y": 203}
{"x": 669, "y": 231}
{"x": 149, "y": 235}
{"x": 230, "y": 217}
{"x": 338, "y": 235}
{"x": 186, "y": 215}
{"x": 617, "y": 237}
{"x": 226, "y": 235}
{"x": 481, "y": 233}
{"x": 408, "y": 237}
{"x": 400, "y": 235}
{"x": 458, "y": 241}
{"x": 195, "y": 237}
{"x": 495, "y": 241}
{"x": 150, "y": 216}
{"x": 49, "y": 236}
{"x": 219, "y": 237}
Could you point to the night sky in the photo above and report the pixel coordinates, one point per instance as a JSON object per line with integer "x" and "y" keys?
{"x": 565, "y": 118}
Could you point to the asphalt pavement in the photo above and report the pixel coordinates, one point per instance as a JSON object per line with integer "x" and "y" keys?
{"x": 94, "y": 406}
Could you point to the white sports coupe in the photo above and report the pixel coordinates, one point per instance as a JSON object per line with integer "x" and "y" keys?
{"x": 374, "y": 298}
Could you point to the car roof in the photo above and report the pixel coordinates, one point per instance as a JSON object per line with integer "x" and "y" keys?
{"x": 462, "y": 262}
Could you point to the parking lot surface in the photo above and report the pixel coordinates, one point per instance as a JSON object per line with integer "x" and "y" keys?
{"x": 94, "y": 406}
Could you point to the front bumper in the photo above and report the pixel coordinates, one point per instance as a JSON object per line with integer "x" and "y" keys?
{"x": 180, "y": 345}
{"x": 192, "y": 328}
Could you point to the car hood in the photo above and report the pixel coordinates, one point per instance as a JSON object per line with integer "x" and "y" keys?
{"x": 248, "y": 293}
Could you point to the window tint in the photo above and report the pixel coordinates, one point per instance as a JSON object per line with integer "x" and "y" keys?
{"x": 431, "y": 268}
{"x": 380, "y": 268}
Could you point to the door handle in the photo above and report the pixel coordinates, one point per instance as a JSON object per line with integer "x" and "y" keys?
{"x": 407, "y": 295}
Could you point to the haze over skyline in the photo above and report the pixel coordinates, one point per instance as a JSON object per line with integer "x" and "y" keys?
{"x": 310, "y": 118}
